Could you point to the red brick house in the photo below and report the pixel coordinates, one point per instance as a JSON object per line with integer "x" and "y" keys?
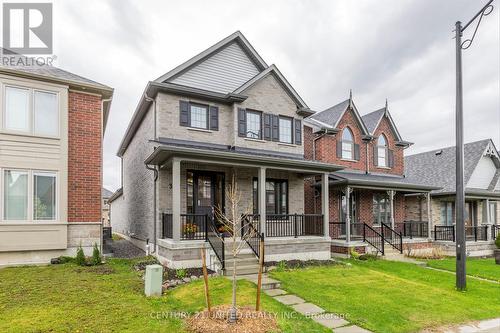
{"x": 51, "y": 127}
{"x": 368, "y": 196}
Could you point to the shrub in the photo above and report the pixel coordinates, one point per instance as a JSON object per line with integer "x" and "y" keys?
{"x": 96, "y": 256}
{"x": 80, "y": 257}
{"x": 354, "y": 254}
{"x": 368, "y": 256}
{"x": 181, "y": 273}
{"x": 64, "y": 259}
{"x": 281, "y": 266}
{"x": 497, "y": 241}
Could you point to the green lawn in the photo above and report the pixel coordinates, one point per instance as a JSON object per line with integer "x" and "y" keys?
{"x": 109, "y": 298}
{"x": 484, "y": 268}
{"x": 386, "y": 296}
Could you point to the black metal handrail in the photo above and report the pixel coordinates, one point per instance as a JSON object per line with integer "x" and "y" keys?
{"x": 337, "y": 230}
{"x": 250, "y": 230}
{"x": 216, "y": 240}
{"x": 167, "y": 226}
{"x": 392, "y": 237}
{"x": 294, "y": 225}
{"x": 410, "y": 229}
{"x": 374, "y": 238}
{"x": 444, "y": 233}
{"x": 476, "y": 233}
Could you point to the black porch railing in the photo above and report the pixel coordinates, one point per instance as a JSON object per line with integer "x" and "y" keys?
{"x": 250, "y": 229}
{"x": 337, "y": 230}
{"x": 391, "y": 236}
{"x": 294, "y": 225}
{"x": 167, "y": 227}
{"x": 374, "y": 238}
{"x": 476, "y": 233}
{"x": 194, "y": 226}
{"x": 444, "y": 233}
{"x": 216, "y": 240}
{"x": 413, "y": 229}
{"x": 495, "y": 230}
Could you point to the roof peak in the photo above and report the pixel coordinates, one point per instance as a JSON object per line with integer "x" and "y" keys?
{"x": 449, "y": 147}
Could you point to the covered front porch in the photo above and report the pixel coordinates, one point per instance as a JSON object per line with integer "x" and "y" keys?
{"x": 192, "y": 184}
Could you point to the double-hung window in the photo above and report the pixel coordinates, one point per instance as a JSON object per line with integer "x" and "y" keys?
{"x": 276, "y": 196}
{"x": 29, "y": 195}
{"x": 447, "y": 212}
{"x": 382, "y": 151}
{"x": 254, "y": 124}
{"x": 199, "y": 116}
{"x": 347, "y": 144}
{"x": 381, "y": 209}
{"x": 285, "y": 129}
{"x": 493, "y": 213}
{"x": 31, "y": 111}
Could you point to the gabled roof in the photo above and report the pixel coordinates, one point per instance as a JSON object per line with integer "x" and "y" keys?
{"x": 437, "y": 167}
{"x": 273, "y": 70}
{"x": 372, "y": 121}
{"x": 234, "y": 37}
{"x": 332, "y": 115}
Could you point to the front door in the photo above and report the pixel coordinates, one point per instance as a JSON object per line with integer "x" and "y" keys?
{"x": 208, "y": 192}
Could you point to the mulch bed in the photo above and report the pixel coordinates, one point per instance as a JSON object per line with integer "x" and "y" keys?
{"x": 216, "y": 321}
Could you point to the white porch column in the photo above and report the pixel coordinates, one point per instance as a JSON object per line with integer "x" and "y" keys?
{"x": 176, "y": 199}
{"x": 325, "y": 203}
{"x": 347, "y": 215}
{"x": 391, "y": 203}
{"x": 262, "y": 199}
{"x": 429, "y": 217}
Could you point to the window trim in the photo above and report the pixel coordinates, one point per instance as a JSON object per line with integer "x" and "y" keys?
{"x": 351, "y": 143}
{"x": 207, "y": 108}
{"x": 33, "y": 188}
{"x": 31, "y": 111}
{"x": 291, "y": 129}
{"x": 30, "y": 207}
{"x": 259, "y": 113}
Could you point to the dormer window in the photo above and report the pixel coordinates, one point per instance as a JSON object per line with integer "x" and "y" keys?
{"x": 382, "y": 151}
{"x": 347, "y": 144}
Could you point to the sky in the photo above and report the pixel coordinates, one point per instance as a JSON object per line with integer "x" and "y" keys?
{"x": 402, "y": 50}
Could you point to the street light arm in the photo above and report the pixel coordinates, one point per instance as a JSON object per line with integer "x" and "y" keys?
{"x": 486, "y": 10}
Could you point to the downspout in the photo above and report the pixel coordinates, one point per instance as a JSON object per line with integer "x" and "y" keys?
{"x": 155, "y": 171}
{"x": 106, "y": 100}
{"x": 314, "y": 144}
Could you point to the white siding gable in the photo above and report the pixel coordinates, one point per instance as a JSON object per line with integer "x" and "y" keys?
{"x": 222, "y": 72}
{"x": 483, "y": 173}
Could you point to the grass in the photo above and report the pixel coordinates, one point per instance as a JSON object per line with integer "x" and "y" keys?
{"x": 109, "y": 298}
{"x": 480, "y": 267}
{"x": 385, "y": 296}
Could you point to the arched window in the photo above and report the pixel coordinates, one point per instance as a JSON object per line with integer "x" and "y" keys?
{"x": 347, "y": 144}
{"x": 382, "y": 151}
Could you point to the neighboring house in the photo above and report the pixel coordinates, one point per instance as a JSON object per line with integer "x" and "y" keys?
{"x": 371, "y": 190}
{"x": 224, "y": 113}
{"x": 106, "y": 194}
{"x": 482, "y": 189}
{"x": 51, "y": 128}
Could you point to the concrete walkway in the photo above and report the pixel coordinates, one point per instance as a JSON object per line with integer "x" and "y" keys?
{"x": 485, "y": 326}
{"x": 330, "y": 320}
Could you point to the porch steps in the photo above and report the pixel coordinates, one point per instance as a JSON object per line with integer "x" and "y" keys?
{"x": 247, "y": 262}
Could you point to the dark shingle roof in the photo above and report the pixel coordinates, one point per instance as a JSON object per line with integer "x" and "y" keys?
{"x": 331, "y": 115}
{"x": 372, "y": 119}
{"x": 437, "y": 167}
{"x": 379, "y": 180}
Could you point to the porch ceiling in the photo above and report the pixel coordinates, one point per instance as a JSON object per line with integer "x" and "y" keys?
{"x": 164, "y": 153}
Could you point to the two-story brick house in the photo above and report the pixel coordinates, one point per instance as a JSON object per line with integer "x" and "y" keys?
{"x": 51, "y": 128}
{"x": 224, "y": 113}
{"x": 370, "y": 191}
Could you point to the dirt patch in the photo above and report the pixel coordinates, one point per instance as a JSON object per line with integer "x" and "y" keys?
{"x": 170, "y": 273}
{"x": 99, "y": 270}
{"x": 292, "y": 264}
{"x": 248, "y": 321}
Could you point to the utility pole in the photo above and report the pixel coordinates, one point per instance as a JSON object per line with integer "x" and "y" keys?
{"x": 461, "y": 282}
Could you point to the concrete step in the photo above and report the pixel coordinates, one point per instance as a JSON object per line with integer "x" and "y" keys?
{"x": 242, "y": 261}
{"x": 242, "y": 269}
{"x": 267, "y": 282}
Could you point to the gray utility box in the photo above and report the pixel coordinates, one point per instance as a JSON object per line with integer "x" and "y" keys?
{"x": 153, "y": 280}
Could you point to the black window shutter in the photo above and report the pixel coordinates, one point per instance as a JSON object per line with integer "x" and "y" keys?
{"x": 275, "y": 127}
{"x": 242, "y": 122}
{"x": 184, "y": 113}
{"x": 356, "y": 152}
{"x": 298, "y": 132}
{"x": 267, "y": 126}
{"x": 375, "y": 156}
{"x": 390, "y": 158}
{"x": 339, "y": 148}
{"x": 214, "y": 118}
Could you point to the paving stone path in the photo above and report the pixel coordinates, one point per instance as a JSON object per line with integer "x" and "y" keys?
{"x": 330, "y": 320}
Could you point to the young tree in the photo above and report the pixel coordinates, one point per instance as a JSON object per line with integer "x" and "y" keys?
{"x": 232, "y": 221}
